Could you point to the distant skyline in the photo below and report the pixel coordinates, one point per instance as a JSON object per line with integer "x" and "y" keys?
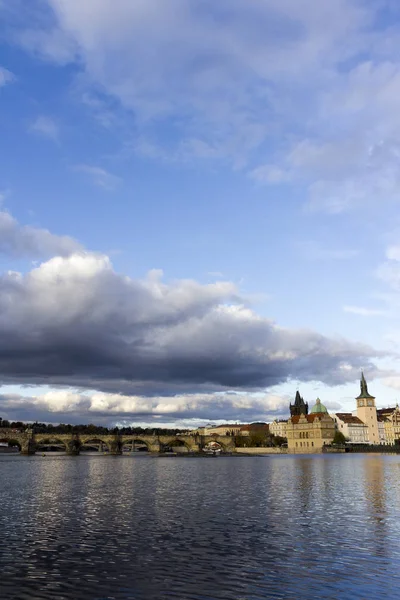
{"x": 199, "y": 208}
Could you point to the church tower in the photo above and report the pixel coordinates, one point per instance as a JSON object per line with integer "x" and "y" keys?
{"x": 299, "y": 407}
{"x": 366, "y": 411}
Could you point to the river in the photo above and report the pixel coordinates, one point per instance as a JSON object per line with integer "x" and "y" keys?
{"x": 251, "y": 528}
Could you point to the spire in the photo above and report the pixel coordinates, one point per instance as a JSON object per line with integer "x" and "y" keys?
{"x": 299, "y": 407}
{"x": 363, "y": 384}
{"x": 364, "y": 388}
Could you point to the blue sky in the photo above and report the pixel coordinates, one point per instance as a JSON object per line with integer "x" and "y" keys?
{"x": 200, "y": 207}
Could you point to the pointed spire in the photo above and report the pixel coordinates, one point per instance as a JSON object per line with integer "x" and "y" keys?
{"x": 364, "y": 388}
{"x": 363, "y": 384}
{"x": 299, "y": 407}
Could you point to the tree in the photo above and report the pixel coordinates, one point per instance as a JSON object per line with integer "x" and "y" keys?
{"x": 241, "y": 441}
{"x": 277, "y": 440}
{"x": 339, "y": 438}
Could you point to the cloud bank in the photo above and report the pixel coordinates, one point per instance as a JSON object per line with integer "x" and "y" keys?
{"x": 124, "y": 346}
{"x": 75, "y": 322}
{"x": 76, "y": 407}
{"x": 297, "y": 92}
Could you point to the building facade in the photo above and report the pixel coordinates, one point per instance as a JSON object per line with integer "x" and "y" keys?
{"x": 354, "y": 430}
{"x": 278, "y": 428}
{"x": 238, "y": 429}
{"x": 391, "y": 422}
{"x": 307, "y": 434}
{"x": 382, "y": 431}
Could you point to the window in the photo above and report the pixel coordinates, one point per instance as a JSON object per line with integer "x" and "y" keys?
{"x": 312, "y": 444}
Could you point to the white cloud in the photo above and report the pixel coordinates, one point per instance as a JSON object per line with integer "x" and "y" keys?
{"x": 393, "y": 382}
{"x": 99, "y": 176}
{"x": 269, "y": 174}
{"x": 25, "y": 240}
{"x": 314, "y": 251}
{"x": 393, "y": 253}
{"x": 95, "y": 406}
{"x": 5, "y": 77}
{"x": 389, "y": 271}
{"x": 45, "y": 126}
{"x": 365, "y": 312}
{"x": 231, "y": 75}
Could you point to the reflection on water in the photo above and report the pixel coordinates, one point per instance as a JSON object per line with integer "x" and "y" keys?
{"x": 104, "y": 527}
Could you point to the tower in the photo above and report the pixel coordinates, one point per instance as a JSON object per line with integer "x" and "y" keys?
{"x": 366, "y": 411}
{"x": 299, "y": 407}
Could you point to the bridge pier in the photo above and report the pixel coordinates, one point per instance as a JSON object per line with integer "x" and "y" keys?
{"x": 73, "y": 448}
{"x": 28, "y": 448}
{"x": 27, "y": 441}
{"x": 115, "y": 448}
{"x": 155, "y": 448}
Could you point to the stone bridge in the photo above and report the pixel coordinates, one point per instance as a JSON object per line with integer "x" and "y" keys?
{"x": 30, "y": 442}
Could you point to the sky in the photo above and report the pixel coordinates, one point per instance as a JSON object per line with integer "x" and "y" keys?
{"x": 199, "y": 208}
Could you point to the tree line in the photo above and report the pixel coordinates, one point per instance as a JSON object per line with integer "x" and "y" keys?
{"x": 87, "y": 428}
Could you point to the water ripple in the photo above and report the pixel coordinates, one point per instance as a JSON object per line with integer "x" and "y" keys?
{"x": 103, "y": 527}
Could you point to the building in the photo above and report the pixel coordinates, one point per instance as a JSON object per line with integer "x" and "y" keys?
{"x": 381, "y": 431}
{"x": 278, "y": 428}
{"x": 227, "y": 429}
{"x": 233, "y": 429}
{"x": 299, "y": 407}
{"x": 353, "y": 429}
{"x": 309, "y": 433}
{"x": 395, "y": 421}
{"x": 391, "y": 422}
{"x": 366, "y": 412}
{"x": 254, "y": 428}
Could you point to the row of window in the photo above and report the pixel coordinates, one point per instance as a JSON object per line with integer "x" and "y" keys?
{"x": 306, "y": 445}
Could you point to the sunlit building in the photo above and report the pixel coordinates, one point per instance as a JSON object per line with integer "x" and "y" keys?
{"x": 309, "y": 433}
{"x": 278, "y": 428}
{"x": 391, "y": 422}
{"x": 353, "y": 429}
{"x": 366, "y": 412}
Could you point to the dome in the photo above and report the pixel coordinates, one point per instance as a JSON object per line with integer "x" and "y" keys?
{"x": 319, "y": 407}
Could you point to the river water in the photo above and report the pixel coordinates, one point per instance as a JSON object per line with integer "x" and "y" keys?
{"x": 134, "y": 527}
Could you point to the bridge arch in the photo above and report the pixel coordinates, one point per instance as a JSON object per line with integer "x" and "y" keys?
{"x": 132, "y": 440}
{"x": 174, "y": 442}
{"x": 214, "y": 445}
{"x": 11, "y": 442}
{"x": 51, "y": 441}
{"x": 93, "y": 440}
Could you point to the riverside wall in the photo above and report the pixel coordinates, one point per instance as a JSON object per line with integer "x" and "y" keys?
{"x": 260, "y": 451}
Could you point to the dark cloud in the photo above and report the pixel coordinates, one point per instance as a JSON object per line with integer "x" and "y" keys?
{"x": 75, "y": 322}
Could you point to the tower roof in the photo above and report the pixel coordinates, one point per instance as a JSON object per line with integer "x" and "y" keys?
{"x": 364, "y": 388}
{"x": 298, "y": 400}
{"x": 318, "y": 407}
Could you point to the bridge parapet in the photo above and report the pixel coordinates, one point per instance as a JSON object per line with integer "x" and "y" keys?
{"x": 29, "y": 441}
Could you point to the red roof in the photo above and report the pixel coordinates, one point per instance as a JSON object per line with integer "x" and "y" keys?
{"x": 310, "y": 418}
{"x": 349, "y": 418}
